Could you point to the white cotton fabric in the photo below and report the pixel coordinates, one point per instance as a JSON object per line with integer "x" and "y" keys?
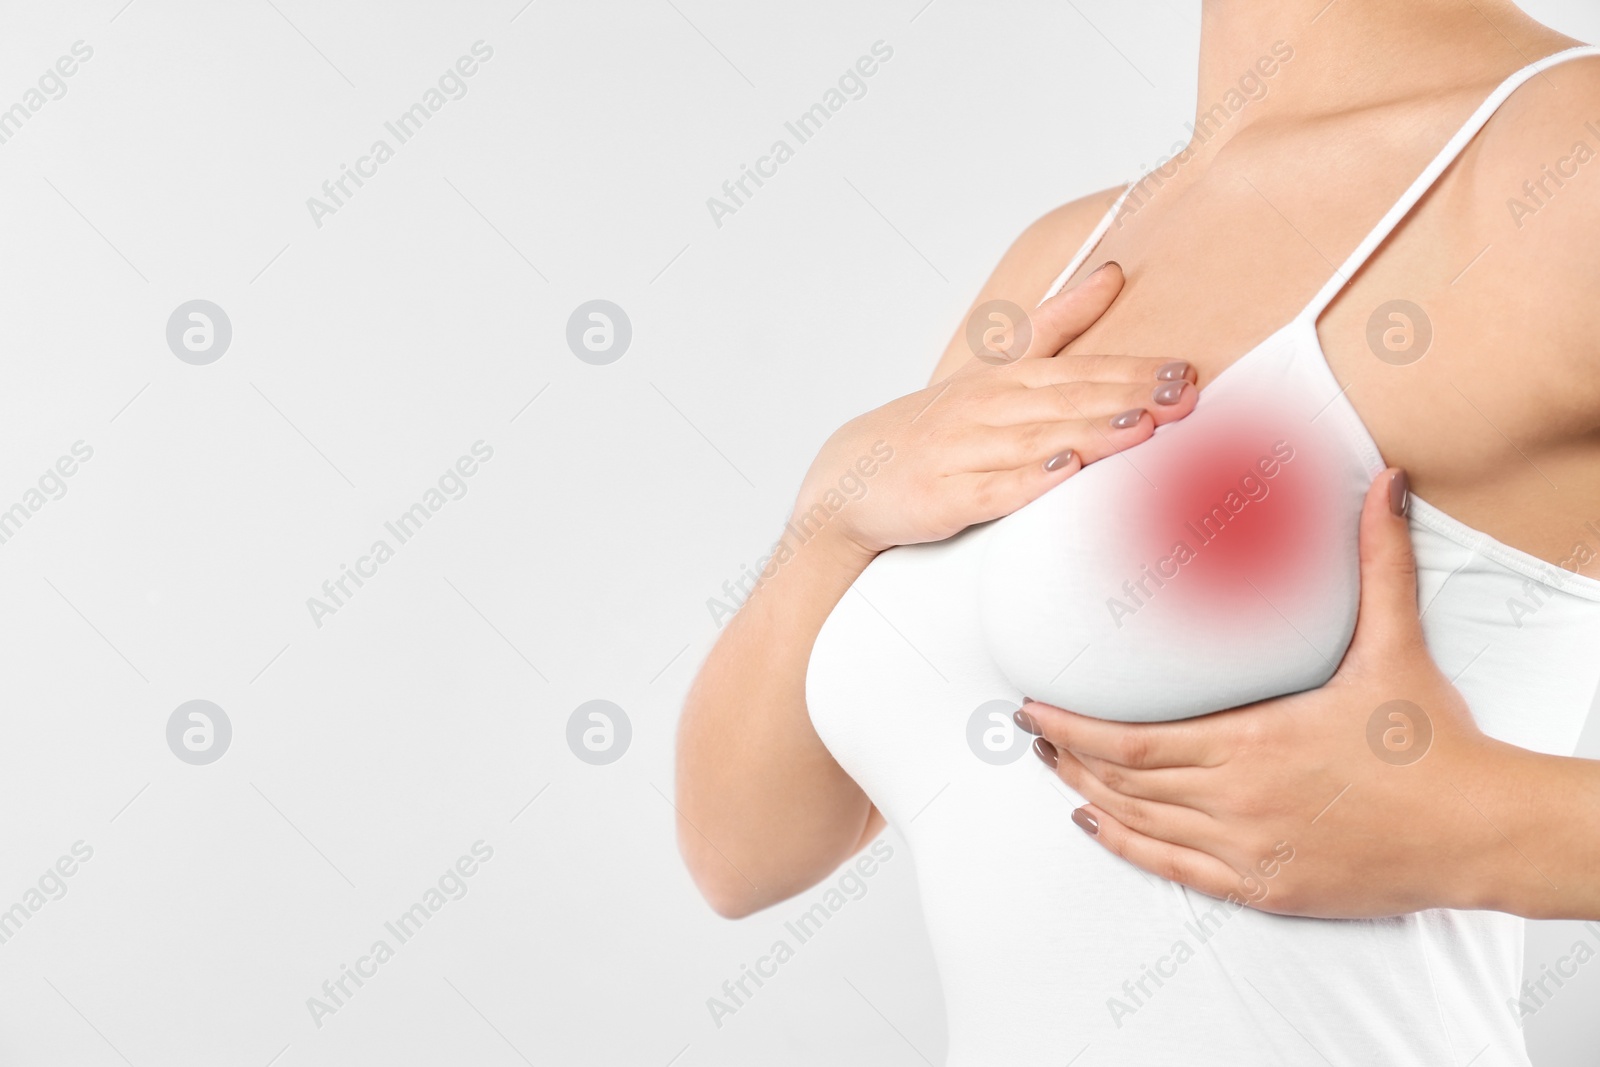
{"x": 1050, "y": 948}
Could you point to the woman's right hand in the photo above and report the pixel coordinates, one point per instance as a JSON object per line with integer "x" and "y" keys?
{"x": 993, "y": 436}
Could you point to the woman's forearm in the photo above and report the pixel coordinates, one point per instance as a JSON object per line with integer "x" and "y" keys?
{"x": 1541, "y": 836}
{"x": 764, "y": 810}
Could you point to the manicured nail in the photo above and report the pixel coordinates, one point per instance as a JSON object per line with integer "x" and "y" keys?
{"x": 1128, "y": 419}
{"x": 1086, "y": 822}
{"x": 1103, "y": 266}
{"x": 1045, "y": 751}
{"x": 1175, "y": 371}
{"x": 1169, "y": 393}
{"x": 1025, "y": 722}
{"x": 1057, "y": 461}
{"x": 1400, "y": 493}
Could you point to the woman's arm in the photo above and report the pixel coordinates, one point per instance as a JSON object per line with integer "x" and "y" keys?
{"x": 1298, "y": 805}
{"x": 764, "y": 810}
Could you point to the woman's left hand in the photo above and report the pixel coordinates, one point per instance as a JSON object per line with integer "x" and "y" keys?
{"x": 1376, "y": 794}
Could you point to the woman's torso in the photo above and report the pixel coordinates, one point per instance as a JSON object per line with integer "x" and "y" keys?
{"x": 1049, "y": 946}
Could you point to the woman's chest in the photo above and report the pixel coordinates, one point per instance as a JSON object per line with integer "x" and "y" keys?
{"x": 1460, "y": 369}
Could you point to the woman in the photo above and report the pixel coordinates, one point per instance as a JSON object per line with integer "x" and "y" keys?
{"x": 1378, "y": 244}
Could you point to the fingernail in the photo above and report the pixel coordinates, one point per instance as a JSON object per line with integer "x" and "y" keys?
{"x": 1169, "y": 393}
{"x": 1025, "y": 722}
{"x": 1400, "y": 493}
{"x": 1175, "y": 371}
{"x": 1103, "y": 266}
{"x": 1128, "y": 419}
{"x": 1059, "y": 460}
{"x": 1045, "y": 751}
{"x": 1086, "y": 822}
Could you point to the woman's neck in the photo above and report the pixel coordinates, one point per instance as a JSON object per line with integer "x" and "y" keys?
{"x": 1352, "y": 54}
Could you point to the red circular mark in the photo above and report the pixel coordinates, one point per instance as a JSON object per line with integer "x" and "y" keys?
{"x": 1235, "y": 511}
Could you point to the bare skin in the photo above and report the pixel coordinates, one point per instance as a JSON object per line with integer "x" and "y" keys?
{"x": 1499, "y": 425}
{"x": 764, "y": 811}
{"x": 1252, "y": 209}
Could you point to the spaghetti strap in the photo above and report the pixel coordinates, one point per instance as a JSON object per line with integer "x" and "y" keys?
{"x": 1428, "y": 177}
{"x": 1088, "y": 246}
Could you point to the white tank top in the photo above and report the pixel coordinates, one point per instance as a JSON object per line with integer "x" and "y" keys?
{"x": 1048, "y": 946}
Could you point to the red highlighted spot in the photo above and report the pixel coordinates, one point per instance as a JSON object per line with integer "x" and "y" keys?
{"x": 1233, "y": 514}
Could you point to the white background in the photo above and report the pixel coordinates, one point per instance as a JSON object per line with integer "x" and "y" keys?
{"x": 368, "y": 354}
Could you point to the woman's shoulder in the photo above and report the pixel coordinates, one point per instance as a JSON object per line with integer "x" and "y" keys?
{"x": 1541, "y": 149}
{"x": 1526, "y": 204}
{"x": 1032, "y": 262}
{"x": 1535, "y": 179}
{"x": 1042, "y": 251}
{"x": 1045, "y": 248}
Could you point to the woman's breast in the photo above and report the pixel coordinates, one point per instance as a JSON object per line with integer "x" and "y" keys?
{"x": 1046, "y": 941}
{"x": 1211, "y": 566}
{"x": 901, "y": 686}
{"x": 1039, "y": 933}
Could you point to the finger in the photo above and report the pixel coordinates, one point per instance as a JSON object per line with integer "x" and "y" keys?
{"x": 1184, "y": 787}
{"x": 1107, "y": 437}
{"x": 1090, "y": 401}
{"x": 1058, "y": 321}
{"x": 1018, "y": 450}
{"x": 1175, "y": 863}
{"x": 997, "y": 448}
{"x": 1388, "y": 615}
{"x": 1141, "y": 745}
{"x": 1166, "y": 402}
{"x": 1017, "y": 453}
{"x": 1097, "y": 367}
{"x": 994, "y": 494}
{"x": 1169, "y": 822}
